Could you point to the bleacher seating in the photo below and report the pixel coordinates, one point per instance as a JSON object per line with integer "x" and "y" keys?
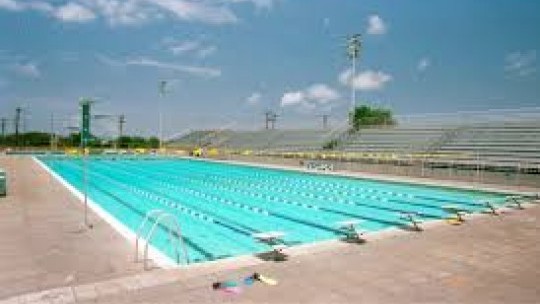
{"x": 397, "y": 139}
{"x": 496, "y": 144}
{"x": 492, "y": 144}
{"x": 275, "y": 140}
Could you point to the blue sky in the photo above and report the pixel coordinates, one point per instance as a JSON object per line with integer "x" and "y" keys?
{"x": 227, "y": 61}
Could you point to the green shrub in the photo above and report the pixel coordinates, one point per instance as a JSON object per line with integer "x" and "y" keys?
{"x": 370, "y": 116}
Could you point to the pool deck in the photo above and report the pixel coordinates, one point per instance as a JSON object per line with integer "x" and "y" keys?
{"x": 45, "y": 259}
{"x": 41, "y": 242}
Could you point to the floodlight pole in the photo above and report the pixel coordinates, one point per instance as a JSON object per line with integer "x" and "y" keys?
{"x": 85, "y": 181}
{"x": 121, "y": 122}
{"x": 162, "y": 85}
{"x": 160, "y": 127}
{"x": 52, "y": 132}
{"x": 353, "y": 93}
{"x": 354, "y": 44}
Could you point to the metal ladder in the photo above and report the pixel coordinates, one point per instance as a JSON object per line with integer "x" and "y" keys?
{"x": 158, "y": 217}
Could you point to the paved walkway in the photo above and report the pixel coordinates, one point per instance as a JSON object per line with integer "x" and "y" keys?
{"x": 486, "y": 260}
{"x": 41, "y": 243}
{"x": 489, "y": 259}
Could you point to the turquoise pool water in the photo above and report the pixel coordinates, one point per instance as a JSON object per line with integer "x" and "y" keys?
{"x": 219, "y": 206}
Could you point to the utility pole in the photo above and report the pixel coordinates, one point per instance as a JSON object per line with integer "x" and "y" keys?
{"x": 270, "y": 118}
{"x": 324, "y": 120}
{"x": 53, "y": 136}
{"x": 354, "y": 44}
{"x": 18, "y": 111}
{"x": 267, "y": 119}
{"x": 3, "y": 121}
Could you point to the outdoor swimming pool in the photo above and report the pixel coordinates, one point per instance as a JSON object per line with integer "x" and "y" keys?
{"x": 220, "y": 206}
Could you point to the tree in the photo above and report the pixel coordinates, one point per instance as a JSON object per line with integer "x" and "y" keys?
{"x": 73, "y": 140}
{"x": 153, "y": 142}
{"x": 370, "y": 116}
{"x": 331, "y": 144}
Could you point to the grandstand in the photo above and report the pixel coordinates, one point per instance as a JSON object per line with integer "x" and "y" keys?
{"x": 491, "y": 139}
{"x": 264, "y": 140}
{"x": 396, "y": 139}
{"x": 508, "y": 144}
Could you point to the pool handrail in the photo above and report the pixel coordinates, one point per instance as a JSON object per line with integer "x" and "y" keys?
{"x": 148, "y": 215}
{"x": 179, "y": 238}
{"x": 159, "y": 215}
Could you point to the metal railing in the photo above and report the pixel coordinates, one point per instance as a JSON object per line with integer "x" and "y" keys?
{"x": 158, "y": 217}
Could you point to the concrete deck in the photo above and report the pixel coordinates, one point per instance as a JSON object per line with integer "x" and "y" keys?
{"x": 489, "y": 259}
{"x": 41, "y": 243}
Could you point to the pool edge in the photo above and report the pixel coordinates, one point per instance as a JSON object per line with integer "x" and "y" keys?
{"x": 155, "y": 255}
{"x": 302, "y": 249}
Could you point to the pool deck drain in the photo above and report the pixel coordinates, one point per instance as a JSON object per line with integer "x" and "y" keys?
{"x": 488, "y": 259}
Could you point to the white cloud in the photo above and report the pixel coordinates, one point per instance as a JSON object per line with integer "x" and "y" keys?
{"x": 311, "y": 97}
{"x": 129, "y": 12}
{"x": 365, "y": 81}
{"x": 202, "y": 11}
{"x": 259, "y": 4}
{"x": 184, "y": 47}
{"x": 423, "y": 64}
{"x": 14, "y": 5}
{"x": 40, "y": 6}
{"x": 29, "y": 70}
{"x": 148, "y": 62}
{"x": 195, "y": 47}
{"x": 521, "y": 63}
{"x": 321, "y": 93}
{"x": 123, "y": 12}
{"x": 206, "y": 51}
{"x": 69, "y": 12}
{"x": 254, "y": 99}
{"x": 326, "y": 23}
{"x": 74, "y": 12}
{"x": 376, "y": 25}
{"x": 196, "y": 70}
{"x": 292, "y": 98}
{"x": 10, "y": 5}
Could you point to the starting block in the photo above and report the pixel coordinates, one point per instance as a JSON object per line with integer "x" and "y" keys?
{"x": 273, "y": 239}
